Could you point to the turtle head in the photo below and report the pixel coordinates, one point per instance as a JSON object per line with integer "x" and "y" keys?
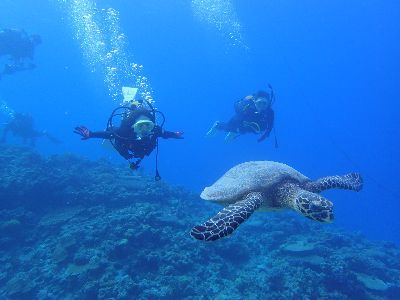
{"x": 314, "y": 206}
{"x": 219, "y": 194}
{"x": 211, "y": 194}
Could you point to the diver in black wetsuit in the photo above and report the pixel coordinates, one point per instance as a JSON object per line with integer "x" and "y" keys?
{"x": 20, "y": 49}
{"x": 136, "y": 137}
{"x": 254, "y": 114}
{"x": 22, "y": 125}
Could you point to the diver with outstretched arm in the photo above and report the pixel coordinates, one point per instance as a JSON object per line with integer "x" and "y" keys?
{"x": 136, "y": 137}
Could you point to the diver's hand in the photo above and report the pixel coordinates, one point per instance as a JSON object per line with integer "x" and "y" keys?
{"x": 179, "y": 135}
{"x": 83, "y": 132}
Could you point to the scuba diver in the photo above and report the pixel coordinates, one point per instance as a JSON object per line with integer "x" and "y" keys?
{"x": 22, "y": 125}
{"x": 253, "y": 114}
{"x": 137, "y": 136}
{"x": 18, "y": 46}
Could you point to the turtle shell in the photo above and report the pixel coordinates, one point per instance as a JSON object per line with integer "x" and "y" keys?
{"x": 249, "y": 177}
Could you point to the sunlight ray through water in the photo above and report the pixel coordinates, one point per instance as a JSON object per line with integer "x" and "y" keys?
{"x": 104, "y": 48}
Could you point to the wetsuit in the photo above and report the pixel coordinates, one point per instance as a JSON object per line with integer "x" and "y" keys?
{"x": 129, "y": 145}
{"x": 17, "y": 44}
{"x": 249, "y": 120}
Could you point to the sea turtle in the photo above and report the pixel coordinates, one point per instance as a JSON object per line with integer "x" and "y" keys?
{"x": 268, "y": 185}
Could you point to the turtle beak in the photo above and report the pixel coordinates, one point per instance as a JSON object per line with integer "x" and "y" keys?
{"x": 205, "y": 196}
{"x": 209, "y": 195}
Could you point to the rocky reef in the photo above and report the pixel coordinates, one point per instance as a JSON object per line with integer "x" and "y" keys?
{"x": 77, "y": 229}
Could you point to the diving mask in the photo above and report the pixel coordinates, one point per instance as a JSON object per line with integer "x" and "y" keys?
{"x": 262, "y": 103}
{"x": 143, "y": 127}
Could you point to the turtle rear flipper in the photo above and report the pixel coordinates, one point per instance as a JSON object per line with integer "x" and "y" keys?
{"x": 351, "y": 181}
{"x": 228, "y": 219}
{"x": 313, "y": 206}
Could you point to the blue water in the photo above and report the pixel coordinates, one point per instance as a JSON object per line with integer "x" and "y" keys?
{"x": 333, "y": 64}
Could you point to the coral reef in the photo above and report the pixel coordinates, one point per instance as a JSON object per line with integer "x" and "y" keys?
{"x": 78, "y": 229}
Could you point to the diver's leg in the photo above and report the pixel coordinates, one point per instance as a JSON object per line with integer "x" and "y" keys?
{"x": 231, "y": 126}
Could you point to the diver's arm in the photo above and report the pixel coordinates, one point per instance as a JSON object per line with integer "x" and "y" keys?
{"x": 165, "y": 134}
{"x": 85, "y": 133}
{"x": 101, "y": 134}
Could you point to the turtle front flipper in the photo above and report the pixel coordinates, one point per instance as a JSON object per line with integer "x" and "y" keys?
{"x": 313, "y": 206}
{"x": 352, "y": 181}
{"x": 228, "y": 219}
{"x": 309, "y": 204}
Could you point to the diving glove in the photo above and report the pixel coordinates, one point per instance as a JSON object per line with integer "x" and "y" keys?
{"x": 83, "y": 132}
{"x": 178, "y": 134}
